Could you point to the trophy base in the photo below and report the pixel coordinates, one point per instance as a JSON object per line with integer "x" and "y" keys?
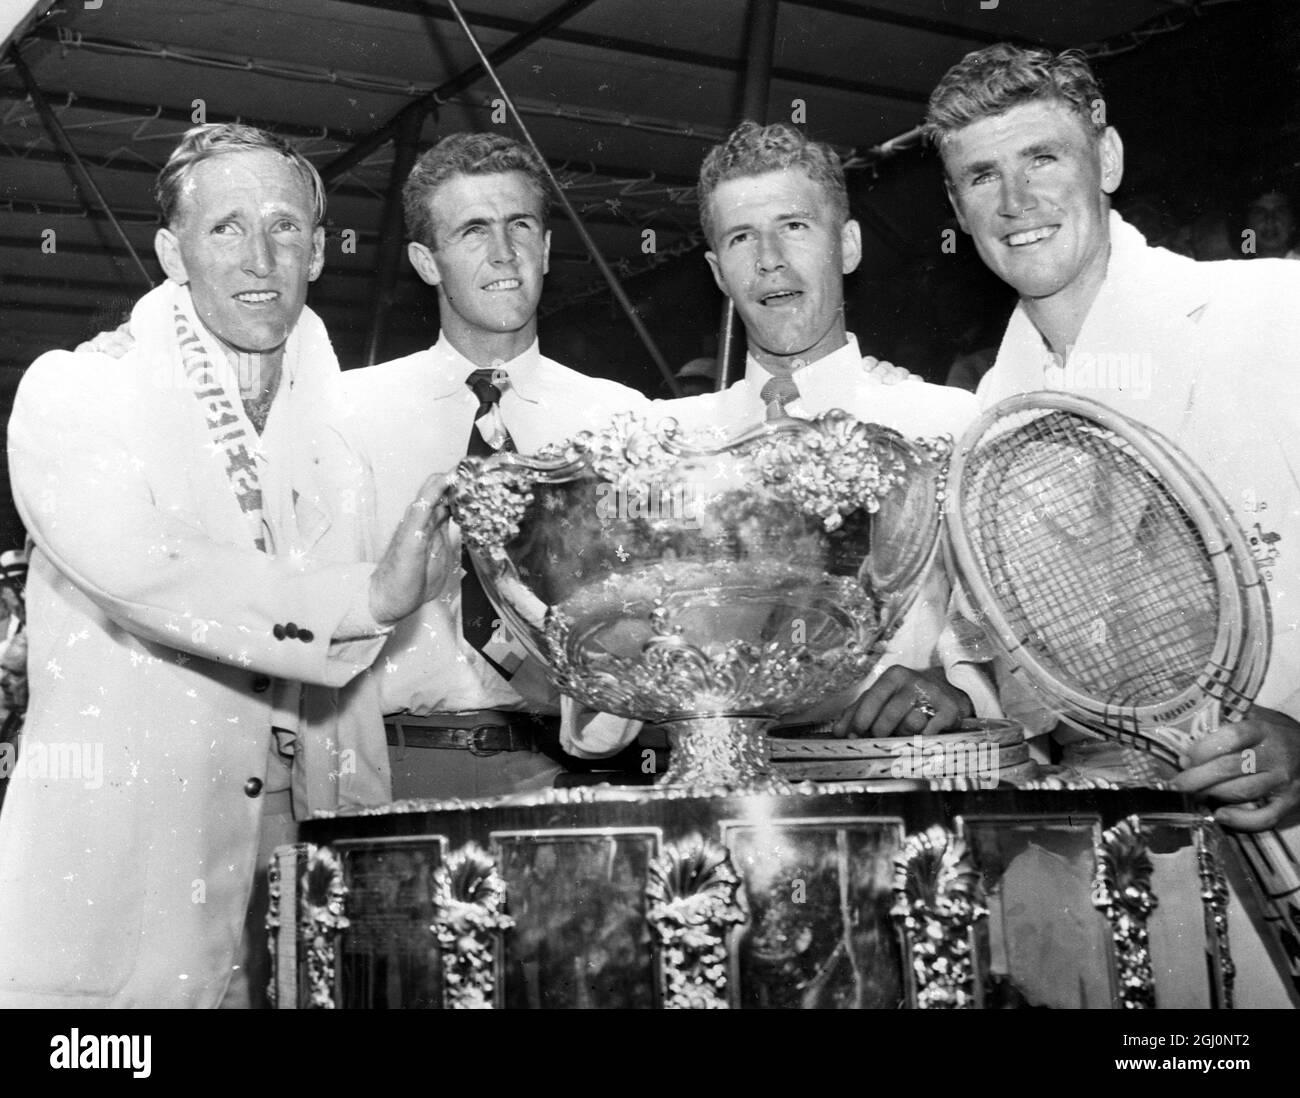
{"x": 721, "y": 752}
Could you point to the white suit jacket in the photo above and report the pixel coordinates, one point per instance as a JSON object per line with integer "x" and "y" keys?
{"x": 128, "y": 835}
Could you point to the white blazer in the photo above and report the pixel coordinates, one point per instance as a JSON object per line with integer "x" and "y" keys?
{"x": 128, "y": 835}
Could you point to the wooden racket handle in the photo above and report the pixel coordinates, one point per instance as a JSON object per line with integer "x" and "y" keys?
{"x": 1275, "y": 870}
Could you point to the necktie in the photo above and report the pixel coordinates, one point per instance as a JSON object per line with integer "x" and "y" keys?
{"x": 487, "y": 435}
{"x": 779, "y": 391}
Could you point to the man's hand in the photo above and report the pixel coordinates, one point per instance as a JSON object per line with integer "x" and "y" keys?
{"x": 1253, "y": 760}
{"x": 418, "y": 560}
{"x": 114, "y": 344}
{"x": 886, "y": 372}
{"x": 906, "y": 702}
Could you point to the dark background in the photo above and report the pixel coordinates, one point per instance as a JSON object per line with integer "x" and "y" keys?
{"x": 624, "y": 97}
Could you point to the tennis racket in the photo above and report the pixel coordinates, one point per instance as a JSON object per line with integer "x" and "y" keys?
{"x": 1112, "y": 575}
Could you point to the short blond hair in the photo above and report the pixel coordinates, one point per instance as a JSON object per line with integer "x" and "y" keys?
{"x": 754, "y": 150}
{"x": 215, "y": 138}
{"x": 991, "y": 81}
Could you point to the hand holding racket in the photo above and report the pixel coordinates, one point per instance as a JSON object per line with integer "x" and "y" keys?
{"x": 1254, "y": 759}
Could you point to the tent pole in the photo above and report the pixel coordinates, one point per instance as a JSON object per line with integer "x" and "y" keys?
{"x": 391, "y": 234}
{"x": 430, "y": 101}
{"x": 81, "y": 174}
{"x": 619, "y": 294}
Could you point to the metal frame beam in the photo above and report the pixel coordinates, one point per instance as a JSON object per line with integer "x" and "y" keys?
{"x": 83, "y": 181}
{"x": 644, "y": 217}
{"x": 136, "y": 111}
{"x": 873, "y": 14}
{"x": 183, "y": 115}
{"x": 650, "y": 51}
{"x": 251, "y": 67}
{"x": 430, "y": 100}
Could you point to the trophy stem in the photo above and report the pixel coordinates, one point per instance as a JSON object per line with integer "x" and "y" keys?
{"x": 721, "y": 751}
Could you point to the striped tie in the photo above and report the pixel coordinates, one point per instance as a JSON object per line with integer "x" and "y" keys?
{"x": 779, "y": 391}
{"x": 487, "y": 436}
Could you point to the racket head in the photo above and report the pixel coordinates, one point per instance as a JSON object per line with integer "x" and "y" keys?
{"x": 1258, "y": 623}
{"x": 1099, "y": 568}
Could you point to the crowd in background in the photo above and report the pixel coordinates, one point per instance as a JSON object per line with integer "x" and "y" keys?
{"x": 13, "y": 644}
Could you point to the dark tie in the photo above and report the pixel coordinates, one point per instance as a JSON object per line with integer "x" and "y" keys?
{"x": 779, "y": 391}
{"x": 476, "y": 611}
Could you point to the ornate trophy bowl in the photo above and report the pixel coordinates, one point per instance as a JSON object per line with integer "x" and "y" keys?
{"x": 712, "y": 586}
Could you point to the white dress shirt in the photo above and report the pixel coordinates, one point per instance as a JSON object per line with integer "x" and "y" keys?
{"x": 411, "y": 418}
{"x": 841, "y": 379}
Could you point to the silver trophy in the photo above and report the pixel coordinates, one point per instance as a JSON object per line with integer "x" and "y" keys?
{"x": 711, "y": 585}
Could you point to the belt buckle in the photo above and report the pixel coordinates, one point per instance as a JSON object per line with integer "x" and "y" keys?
{"x": 477, "y": 735}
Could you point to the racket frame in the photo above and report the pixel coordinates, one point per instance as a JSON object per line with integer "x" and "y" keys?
{"x": 1232, "y": 674}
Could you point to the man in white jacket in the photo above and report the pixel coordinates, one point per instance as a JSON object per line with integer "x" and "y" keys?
{"x": 196, "y": 549}
{"x": 1203, "y": 352}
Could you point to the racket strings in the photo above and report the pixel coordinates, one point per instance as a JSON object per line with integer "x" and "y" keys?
{"x": 1091, "y": 557}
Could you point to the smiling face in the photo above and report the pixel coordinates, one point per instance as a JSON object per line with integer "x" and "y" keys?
{"x": 1032, "y": 187}
{"x": 492, "y": 252}
{"x": 781, "y": 254}
{"x": 244, "y": 241}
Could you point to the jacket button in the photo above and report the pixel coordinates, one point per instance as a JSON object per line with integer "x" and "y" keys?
{"x": 278, "y": 631}
{"x": 290, "y": 629}
{"x": 261, "y": 684}
{"x": 306, "y": 636}
{"x": 252, "y": 787}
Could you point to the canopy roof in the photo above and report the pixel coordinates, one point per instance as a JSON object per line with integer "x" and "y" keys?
{"x": 624, "y": 97}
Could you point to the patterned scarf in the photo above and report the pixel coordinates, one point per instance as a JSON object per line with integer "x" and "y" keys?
{"x": 228, "y": 429}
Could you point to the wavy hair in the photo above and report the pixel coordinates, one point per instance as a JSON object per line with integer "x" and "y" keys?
{"x": 467, "y": 154}
{"x": 203, "y": 142}
{"x": 991, "y": 81}
{"x": 753, "y": 150}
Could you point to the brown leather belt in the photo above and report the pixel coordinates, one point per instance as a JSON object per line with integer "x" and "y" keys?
{"x": 819, "y": 730}
{"x": 481, "y": 739}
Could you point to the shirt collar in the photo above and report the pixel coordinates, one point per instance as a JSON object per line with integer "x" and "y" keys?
{"x": 836, "y": 361}
{"x": 452, "y": 369}
{"x": 1138, "y": 276}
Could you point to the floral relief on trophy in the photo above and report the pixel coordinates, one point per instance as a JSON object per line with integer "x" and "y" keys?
{"x": 671, "y": 678}
{"x": 489, "y": 514}
{"x": 1122, "y": 892}
{"x": 273, "y": 928}
{"x": 938, "y": 901}
{"x": 842, "y": 467}
{"x": 694, "y": 897}
{"x": 322, "y": 919}
{"x": 1214, "y": 897}
{"x": 469, "y": 898}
